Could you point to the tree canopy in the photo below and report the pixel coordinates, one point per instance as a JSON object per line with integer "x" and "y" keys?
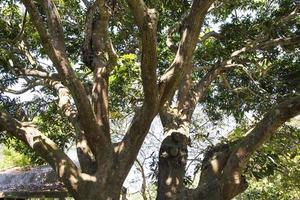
{"x": 85, "y": 66}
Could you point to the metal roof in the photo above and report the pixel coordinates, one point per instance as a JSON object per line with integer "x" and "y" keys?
{"x": 33, "y": 182}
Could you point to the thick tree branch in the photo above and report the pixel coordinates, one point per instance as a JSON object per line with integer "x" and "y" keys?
{"x": 64, "y": 167}
{"x": 139, "y": 11}
{"x": 146, "y": 19}
{"x": 223, "y": 165}
{"x": 190, "y": 32}
{"x": 184, "y": 88}
{"x": 100, "y": 66}
{"x": 54, "y": 25}
{"x": 170, "y": 44}
{"x": 213, "y": 163}
{"x": 98, "y": 49}
{"x": 100, "y": 100}
{"x": 253, "y": 140}
{"x": 56, "y": 51}
{"x": 128, "y": 148}
{"x": 97, "y": 43}
{"x": 209, "y": 186}
{"x": 64, "y": 100}
{"x": 23, "y": 72}
{"x": 85, "y": 156}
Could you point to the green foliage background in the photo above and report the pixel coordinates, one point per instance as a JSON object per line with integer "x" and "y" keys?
{"x": 268, "y": 76}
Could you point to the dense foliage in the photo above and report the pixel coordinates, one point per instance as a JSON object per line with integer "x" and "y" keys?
{"x": 256, "y": 42}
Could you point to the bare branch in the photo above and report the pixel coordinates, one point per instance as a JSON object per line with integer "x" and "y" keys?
{"x": 29, "y": 86}
{"x": 23, "y": 72}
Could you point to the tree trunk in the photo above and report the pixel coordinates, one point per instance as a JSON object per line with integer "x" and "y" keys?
{"x": 105, "y": 184}
{"x": 110, "y": 191}
{"x": 172, "y": 161}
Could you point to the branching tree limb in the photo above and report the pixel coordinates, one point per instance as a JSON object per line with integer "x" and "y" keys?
{"x": 85, "y": 156}
{"x": 55, "y": 49}
{"x": 37, "y": 73}
{"x": 146, "y": 19}
{"x": 202, "y": 86}
{"x": 46, "y": 148}
{"x": 190, "y": 32}
{"x": 142, "y": 120}
{"x": 29, "y": 86}
{"x": 232, "y": 173}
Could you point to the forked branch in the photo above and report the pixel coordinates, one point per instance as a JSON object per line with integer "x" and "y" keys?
{"x": 145, "y": 18}
{"x": 189, "y": 37}
{"x": 55, "y": 49}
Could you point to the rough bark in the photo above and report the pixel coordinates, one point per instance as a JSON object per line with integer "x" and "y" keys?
{"x": 55, "y": 48}
{"x": 191, "y": 27}
{"x": 210, "y": 184}
{"x": 233, "y": 181}
{"x": 189, "y": 94}
{"x": 173, "y": 152}
{"x": 104, "y": 166}
{"x": 172, "y": 161}
{"x": 223, "y": 165}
